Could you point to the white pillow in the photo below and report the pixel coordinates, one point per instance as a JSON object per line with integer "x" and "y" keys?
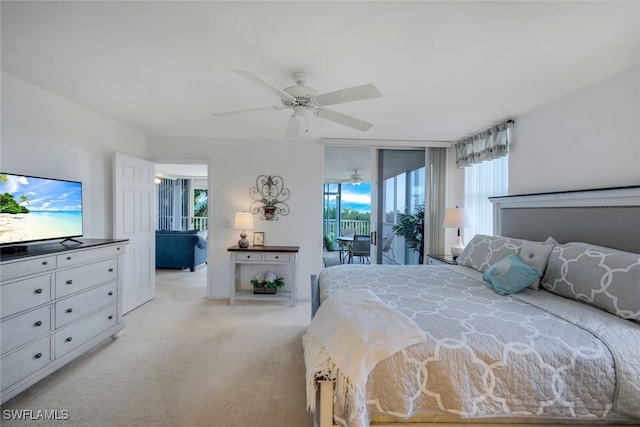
{"x": 536, "y": 254}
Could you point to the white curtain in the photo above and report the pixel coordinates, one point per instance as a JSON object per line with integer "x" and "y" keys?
{"x": 481, "y": 181}
{"x": 491, "y": 143}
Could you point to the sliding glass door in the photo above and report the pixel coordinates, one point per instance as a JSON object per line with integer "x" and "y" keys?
{"x": 410, "y": 204}
{"x": 401, "y": 198}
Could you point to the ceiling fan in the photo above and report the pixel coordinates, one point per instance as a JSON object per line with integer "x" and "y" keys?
{"x": 355, "y": 178}
{"x": 301, "y": 98}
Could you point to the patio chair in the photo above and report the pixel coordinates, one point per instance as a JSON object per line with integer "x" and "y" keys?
{"x": 345, "y": 245}
{"x": 361, "y": 248}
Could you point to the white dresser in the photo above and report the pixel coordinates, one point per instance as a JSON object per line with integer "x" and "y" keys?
{"x": 56, "y": 303}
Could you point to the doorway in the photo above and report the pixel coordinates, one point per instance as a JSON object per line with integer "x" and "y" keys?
{"x": 182, "y": 191}
{"x": 346, "y": 203}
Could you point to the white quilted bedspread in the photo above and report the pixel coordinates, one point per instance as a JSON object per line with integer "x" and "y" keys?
{"x": 485, "y": 355}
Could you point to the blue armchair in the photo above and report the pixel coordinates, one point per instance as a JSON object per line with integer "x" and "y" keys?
{"x": 180, "y": 249}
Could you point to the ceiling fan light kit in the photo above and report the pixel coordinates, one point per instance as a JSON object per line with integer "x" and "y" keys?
{"x": 356, "y": 178}
{"x": 301, "y": 98}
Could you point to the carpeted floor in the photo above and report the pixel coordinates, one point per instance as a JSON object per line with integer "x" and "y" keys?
{"x": 184, "y": 360}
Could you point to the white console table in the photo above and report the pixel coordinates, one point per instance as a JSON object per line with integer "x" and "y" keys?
{"x": 246, "y": 262}
{"x": 57, "y": 302}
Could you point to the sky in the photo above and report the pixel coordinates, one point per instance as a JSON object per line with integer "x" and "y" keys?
{"x": 44, "y": 194}
{"x": 357, "y": 197}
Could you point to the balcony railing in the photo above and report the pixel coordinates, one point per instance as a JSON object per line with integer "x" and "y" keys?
{"x": 363, "y": 228}
{"x": 200, "y": 223}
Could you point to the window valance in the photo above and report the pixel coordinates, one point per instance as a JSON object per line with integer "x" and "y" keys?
{"x": 491, "y": 143}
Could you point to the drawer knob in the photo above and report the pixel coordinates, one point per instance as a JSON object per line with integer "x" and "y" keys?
{"x": 69, "y": 282}
{"x": 277, "y": 257}
{"x": 110, "y": 317}
{"x": 248, "y": 256}
{"x": 37, "y": 356}
{"x": 45, "y": 262}
{"x": 69, "y": 339}
{"x": 68, "y": 258}
{"x": 69, "y": 310}
{"x": 111, "y": 270}
{"x": 110, "y": 293}
{"x": 38, "y": 291}
{"x": 38, "y": 323}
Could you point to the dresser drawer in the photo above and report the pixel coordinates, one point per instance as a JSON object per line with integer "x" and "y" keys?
{"x": 12, "y": 270}
{"x": 276, "y": 256}
{"x": 18, "y": 296}
{"x": 77, "y": 334}
{"x": 24, "y": 362}
{"x": 79, "y": 278}
{"x": 24, "y": 327}
{"x": 77, "y": 306}
{"x": 70, "y": 259}
{"x": 249, "y": 256}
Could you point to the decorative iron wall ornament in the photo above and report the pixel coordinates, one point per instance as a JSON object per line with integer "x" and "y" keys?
{"x": 269, "y": 196}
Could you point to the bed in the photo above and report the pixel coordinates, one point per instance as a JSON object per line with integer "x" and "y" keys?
{"x": 437, "y": 344}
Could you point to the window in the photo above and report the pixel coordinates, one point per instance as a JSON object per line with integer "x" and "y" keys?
{"x": 481, "y": 181}
{"x": 182, "y": 205}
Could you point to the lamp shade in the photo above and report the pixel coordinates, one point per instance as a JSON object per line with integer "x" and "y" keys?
{"x": 456, "y": 218}
{"x": 243, "y": 221}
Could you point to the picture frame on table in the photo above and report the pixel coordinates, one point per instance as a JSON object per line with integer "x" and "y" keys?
{"x": 258, "y": 238}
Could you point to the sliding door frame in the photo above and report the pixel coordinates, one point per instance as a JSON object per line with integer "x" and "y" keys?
{"x": 375, "y": 145}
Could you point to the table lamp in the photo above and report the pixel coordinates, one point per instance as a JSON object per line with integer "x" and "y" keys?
{"x": 243, "y": 221}
{"x": 457, "y": 218}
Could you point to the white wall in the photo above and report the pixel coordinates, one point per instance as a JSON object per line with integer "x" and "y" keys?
{"x": 234, "y": 166}
{"x": 46, "y": 135}
{"x": 589, "y": 139}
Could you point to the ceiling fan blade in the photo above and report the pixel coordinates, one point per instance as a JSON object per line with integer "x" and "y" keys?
{"x": 250, "y": 76}
{"x": 250, "y": 110}
{"x": 294, "y": 127}
{"x": 343, "y": 119}
{"x": 356, "y": 93}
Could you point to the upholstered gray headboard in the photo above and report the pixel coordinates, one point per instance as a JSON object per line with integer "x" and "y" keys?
{"x": 605, "y": 217}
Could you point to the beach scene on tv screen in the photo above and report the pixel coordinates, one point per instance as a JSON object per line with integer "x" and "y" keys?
{"x": 38, "y": 208}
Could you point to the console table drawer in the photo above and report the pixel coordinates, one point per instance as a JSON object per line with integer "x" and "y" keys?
{"x": 77, "y": 279}
{"x": 77, "y": 334}
{"x": 82, "y": 304}
{"x": 25, "y": 294}
{"x": 249, "y": 256}
{"x": 276, "y": 257}
{"x": 25, "y": 361}
{"x": 12, "y": 270}
{"x": 23, "y": 328}
{"x": 83, "y": 257}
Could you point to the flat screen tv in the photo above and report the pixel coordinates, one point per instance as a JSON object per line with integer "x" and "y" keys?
{"x": 34, "y": 209}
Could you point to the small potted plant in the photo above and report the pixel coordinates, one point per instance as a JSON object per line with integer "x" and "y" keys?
{"x": 266, "y": 283}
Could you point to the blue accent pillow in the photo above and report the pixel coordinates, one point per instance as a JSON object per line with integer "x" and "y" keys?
{"x": 510, "y": 275}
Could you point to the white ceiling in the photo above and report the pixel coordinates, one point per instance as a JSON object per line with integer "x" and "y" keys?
{"x": 445, "y": 69}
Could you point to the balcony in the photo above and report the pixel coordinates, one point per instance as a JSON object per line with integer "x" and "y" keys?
{"x": 363, "y": 228}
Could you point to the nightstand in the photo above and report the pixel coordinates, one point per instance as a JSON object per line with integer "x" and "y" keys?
{"x": 247, "y": 262}
{"x": 441, "y": 259}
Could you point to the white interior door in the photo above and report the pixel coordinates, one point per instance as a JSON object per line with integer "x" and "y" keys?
{"x": 134, "y": 219}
